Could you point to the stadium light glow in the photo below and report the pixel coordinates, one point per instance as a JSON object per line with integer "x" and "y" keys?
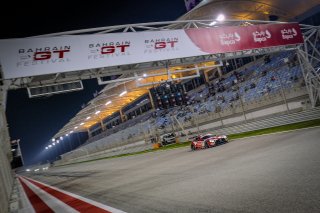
{"x": 139, "y": 79}
{"x": 81, "y": 124}
{"x": 27, "y": 170}
{"x": 75, "y": 127}
{"x": 61, "y": 138}
{"x": 220, "y": 17}
{"x": 88, "y": 118}
{"x": 53, "y": 139}
{"x": 67, "y": 134}
{"x": 50, "y": 146}
{"x": 58, "y": 141}
{"x": 71, "y": 132}
{"x": 13, "y": 150}
{"x": 53, "y": 144}
{"x": 123, "y": 93}
{"x": 144, "y": 75}
{"x": 47, "y": 147}
{"x": 97, "y": 112}
{"x": 109, "y": 102}
{"x": 213, "y": 23}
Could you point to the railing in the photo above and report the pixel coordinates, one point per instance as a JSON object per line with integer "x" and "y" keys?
{"x": 211, "y": 117}
{"x": 120, "y": 126}
{"x": 278, "y": 120}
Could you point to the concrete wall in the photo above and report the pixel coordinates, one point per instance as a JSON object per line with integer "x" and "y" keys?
{"x": 83, "y": 155}
{"x": 6, "y": 176}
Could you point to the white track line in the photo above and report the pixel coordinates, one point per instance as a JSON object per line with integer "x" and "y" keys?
{"x": 26, "y": 205}
{"x": 92, "y": 202}
{"x": 55, "y": 204}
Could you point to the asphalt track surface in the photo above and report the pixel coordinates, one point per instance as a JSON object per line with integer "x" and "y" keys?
{"x": 274, "y": 173}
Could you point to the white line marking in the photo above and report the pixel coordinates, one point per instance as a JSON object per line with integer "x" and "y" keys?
{"x": 92, "y": 202}
{"x": 55, "y": 204}
{"x": 26, "y": 205}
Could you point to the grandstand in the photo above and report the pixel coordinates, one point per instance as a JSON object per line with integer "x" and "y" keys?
{"x": 257, "y": 85}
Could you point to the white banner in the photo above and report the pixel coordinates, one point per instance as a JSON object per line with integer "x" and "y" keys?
{"x": 39, "y": 56}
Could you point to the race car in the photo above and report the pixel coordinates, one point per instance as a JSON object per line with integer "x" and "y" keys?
{"x": 208, "y": 141}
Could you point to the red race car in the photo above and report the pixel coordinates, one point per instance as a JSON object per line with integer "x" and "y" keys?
{"x": 208, "y": 141}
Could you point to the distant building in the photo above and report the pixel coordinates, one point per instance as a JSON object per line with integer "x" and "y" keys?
{"x": 17, "y": 160}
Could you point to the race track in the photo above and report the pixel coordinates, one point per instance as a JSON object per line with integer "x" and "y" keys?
{"x": 275, "y": 173}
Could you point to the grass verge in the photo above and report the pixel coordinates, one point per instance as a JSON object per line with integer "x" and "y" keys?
{"x": 288, "y": 127}
{"x": 300, "y": 125}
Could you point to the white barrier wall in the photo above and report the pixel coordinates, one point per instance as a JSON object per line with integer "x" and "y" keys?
{"x": 6, "y": 177}
{"x": 251, "y": 115}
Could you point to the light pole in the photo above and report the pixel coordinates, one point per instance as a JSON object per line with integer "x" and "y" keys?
{"x": 65, "y": 147}
{"x": 195, "y": 119}
{"x": 19, "y": 151}
{"x": 78, "y": 139}
{"x": 59, "y": 149}
{"x": 282, "y": 90}
{"x": 49, "y": 147}
{"x": 55, "y": 152}
{"x": 69, "y": 140}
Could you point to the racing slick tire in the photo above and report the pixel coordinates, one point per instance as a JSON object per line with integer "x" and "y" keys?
{"x": 206, "y": 145}
{"x": 193, "y": 148}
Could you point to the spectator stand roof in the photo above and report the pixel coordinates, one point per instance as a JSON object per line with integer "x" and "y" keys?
{"x": 277, "y": 10}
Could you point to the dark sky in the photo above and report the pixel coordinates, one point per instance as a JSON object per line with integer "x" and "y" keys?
{"x": 27, "y": 18}
{"x": 35, "y": 121}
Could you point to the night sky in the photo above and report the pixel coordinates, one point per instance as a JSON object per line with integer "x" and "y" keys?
{"x": 35, "y": 121}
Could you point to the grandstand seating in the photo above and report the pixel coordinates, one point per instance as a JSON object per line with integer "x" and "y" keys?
{"x": 243, "y": 85}
{"x": 258, "y": 80}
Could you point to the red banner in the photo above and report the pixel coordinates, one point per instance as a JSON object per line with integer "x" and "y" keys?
{"x": 231, "y": 39}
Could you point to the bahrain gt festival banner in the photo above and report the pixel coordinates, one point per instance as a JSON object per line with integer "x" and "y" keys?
{"x": 39, "y": 56}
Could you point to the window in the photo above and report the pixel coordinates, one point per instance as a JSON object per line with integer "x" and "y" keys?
{"x": 207, "y": 136}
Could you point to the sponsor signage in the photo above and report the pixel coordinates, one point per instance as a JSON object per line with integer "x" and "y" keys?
{"x": 39, "y": 56}
{"x": 231, "y": 39}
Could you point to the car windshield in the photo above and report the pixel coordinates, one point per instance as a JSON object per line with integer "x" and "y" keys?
{"x": 207, "y": 136}
{"x": 169, "y": 135}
